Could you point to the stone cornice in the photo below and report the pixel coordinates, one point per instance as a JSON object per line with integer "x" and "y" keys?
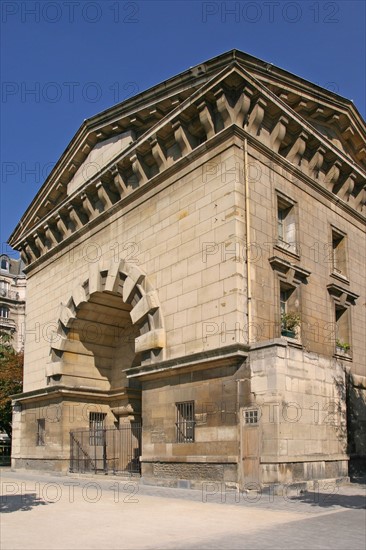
{"x": 227, "y": 356}
{"x": 293, "y": 274}
{"x": 69, "y": 392}
{"x": 136, "y": 197}
{"x": 233, "y": 97}
{"x": 155, "y": 103}
{"x": 342, "y": 296}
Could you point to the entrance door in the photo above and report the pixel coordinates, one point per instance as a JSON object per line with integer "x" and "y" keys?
{"x": 250, "y": 447}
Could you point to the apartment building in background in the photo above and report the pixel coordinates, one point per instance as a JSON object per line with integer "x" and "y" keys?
{"x": 12, "y": 300}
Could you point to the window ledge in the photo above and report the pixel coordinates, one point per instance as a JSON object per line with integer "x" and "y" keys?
{"x": 343, "y": 355}
{"x": 294, "y": 342}
{"x": 340, "y": 277}
{"x": 287, "y": 248}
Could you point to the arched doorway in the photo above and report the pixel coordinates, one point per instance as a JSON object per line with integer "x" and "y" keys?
{"x": 111, "y": 323}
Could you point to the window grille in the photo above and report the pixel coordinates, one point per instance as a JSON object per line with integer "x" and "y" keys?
{"x": 251, "y": 417}
{"x": 96, "y": 428}
{"x": 185, "y": 422}
{"x": 41, "y": 432}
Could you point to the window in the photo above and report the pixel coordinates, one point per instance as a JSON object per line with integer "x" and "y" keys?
{"x": 290, "y": 318}
{"x": 4, "y": 264}
{"x": 342, "y": 329}
{"x": 284, "y": 296}
{"x": 4, "y": 312}
{"x": 251, "y": 417}
{"x": 338, "y": 252}
{"x": 286, "y": 224}
{"x": 4, "y": 288}
{"x": 41, "y": 432}
{"x": 343, "y": 300}
{"x": 185, "y": 422}
{"x": 96, "y": 428}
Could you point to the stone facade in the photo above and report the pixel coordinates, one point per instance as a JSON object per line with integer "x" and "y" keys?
{"x": 168, "y": 253}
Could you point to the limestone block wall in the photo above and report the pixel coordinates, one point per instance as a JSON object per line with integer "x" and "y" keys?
{"x": 177, "y": 234}
{"x": 214, "y": 452}
{"x": 302, "y": 403}
{"x": 315, "y": 216}
{"x": 61, "y": 416}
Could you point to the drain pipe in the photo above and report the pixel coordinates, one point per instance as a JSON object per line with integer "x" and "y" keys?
{"x": 247, "y": 240}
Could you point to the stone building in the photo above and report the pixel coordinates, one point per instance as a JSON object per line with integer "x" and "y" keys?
{"x": 12, "y": 300}
{"x": 196, "y": 262}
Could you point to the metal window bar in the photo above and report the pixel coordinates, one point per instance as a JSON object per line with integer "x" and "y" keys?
{"x": 185, "y": 423}
{"x": 41, "y": 432}
{"x": 96, "y": 428}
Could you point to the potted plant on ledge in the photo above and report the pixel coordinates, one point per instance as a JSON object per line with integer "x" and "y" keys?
{"x": 342, "y": 348}
{"x": 289, "y": 322}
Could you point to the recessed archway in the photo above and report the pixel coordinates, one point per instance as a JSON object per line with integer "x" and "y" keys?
{"x": 111, "y": 322}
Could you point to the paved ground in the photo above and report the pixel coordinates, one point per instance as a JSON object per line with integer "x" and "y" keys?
{"x": 40, "y": 511}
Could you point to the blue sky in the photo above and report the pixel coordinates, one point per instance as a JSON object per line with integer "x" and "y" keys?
{"x": 64, "y": 61}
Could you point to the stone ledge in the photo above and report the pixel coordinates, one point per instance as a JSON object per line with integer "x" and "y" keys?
{"x": 218, "y": 357}
{"x": 303, "y": 458}
{"x": 192, "y": 459}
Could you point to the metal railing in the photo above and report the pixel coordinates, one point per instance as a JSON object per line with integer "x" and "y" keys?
{"x": 110, "y": 450}
{"x": 6, "y": 322}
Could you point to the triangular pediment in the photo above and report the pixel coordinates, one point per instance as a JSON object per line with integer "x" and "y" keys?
{"x": 100, "y": 155}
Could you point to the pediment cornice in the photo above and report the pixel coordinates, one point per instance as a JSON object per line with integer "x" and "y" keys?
{"x": 231, "y": 97}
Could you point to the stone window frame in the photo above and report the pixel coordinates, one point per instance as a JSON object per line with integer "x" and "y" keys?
{"x": 288, "y": 296}
{"x": 290, "y": 277}
{"x": 342, "y": 299}
{"x": 338, "y": 246}
{"x": 287, "y": 217}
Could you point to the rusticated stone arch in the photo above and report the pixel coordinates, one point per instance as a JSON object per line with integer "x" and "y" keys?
{"x": 124, "y": 285}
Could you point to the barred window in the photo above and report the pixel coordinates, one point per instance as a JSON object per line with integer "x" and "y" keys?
{"x": 185, "y": 422}
{"x": 96, "y": 428}
{"x": 41, "y": 432}
{"x": 251, "y": 417}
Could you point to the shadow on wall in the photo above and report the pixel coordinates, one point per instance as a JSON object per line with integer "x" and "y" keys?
{"x": 356, "y": 426}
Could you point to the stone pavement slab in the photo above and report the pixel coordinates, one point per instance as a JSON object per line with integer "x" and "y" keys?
{"x": 73, "y": 512}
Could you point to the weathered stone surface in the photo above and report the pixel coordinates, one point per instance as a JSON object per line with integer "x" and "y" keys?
{"x": 175, "y": 277}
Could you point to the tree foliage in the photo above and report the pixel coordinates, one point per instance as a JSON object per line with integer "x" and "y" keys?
{"x": 11, "y": 380}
